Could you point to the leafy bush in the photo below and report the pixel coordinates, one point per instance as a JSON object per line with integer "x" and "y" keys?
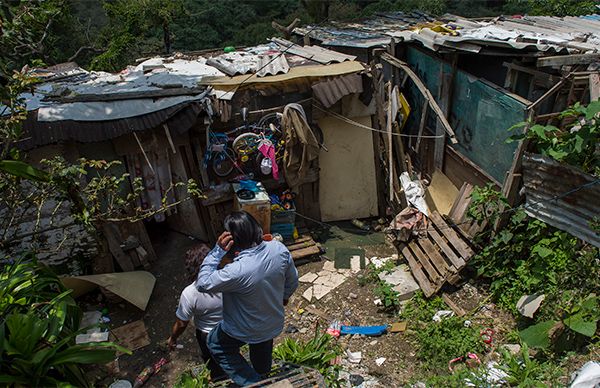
{"x": 371, "y": 274}
{"x": 440, "y": 342}
{"x": 39, "y": 323}
{"x": 197, "y": 376}
{"x": 576, "y": 143}
{"x": 318, "y": 353}
{"x": 390, "y": 300}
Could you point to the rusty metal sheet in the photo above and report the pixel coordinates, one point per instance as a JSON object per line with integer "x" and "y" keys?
{"x": 562, "y": 196}
{"x": 330, "y": 91}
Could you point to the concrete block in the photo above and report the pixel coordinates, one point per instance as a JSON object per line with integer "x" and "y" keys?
{"x": 402, "y": 280}
{"x": 308, "y": 277}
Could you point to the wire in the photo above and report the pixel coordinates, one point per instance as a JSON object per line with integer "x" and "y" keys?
{"x": 357, "y": 124}
{"x": 514, "y": 209}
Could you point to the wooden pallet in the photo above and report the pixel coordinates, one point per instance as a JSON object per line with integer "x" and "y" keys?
{"x": 437, "y": 256}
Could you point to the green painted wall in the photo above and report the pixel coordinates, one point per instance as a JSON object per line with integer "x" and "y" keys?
{"x": 481, "y": 113}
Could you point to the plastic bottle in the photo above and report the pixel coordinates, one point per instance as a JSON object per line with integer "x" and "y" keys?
{"x": 361, "y": 225}
{"x": 148, "y": 371}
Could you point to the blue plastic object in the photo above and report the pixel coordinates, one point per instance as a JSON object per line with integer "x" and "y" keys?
{"x": 249, "y": 185}
{"x": 364, "y": 330}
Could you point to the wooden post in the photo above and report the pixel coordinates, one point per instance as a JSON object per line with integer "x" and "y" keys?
{"x": 422, "y": 124}
{"x": 388, "y": 126}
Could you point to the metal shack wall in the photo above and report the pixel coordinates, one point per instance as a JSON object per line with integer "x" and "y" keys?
{"x": 480, "y": 113}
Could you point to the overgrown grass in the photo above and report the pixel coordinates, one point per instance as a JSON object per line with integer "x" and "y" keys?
{"x": 317, "y": 353}
{"x": 195, "y": 376}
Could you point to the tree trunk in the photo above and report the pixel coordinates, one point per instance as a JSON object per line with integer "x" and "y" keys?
{"x": 167, "y": 38}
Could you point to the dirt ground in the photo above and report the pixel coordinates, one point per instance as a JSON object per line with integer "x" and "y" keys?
{"x": 400, "y": 366}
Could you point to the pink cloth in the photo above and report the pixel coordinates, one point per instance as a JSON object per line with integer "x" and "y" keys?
{"x": 268, "y": 151}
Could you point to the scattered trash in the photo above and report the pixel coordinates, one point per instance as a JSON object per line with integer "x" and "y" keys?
{"x": 403, "y": 281}
{"x": 379, "y": 262}
{"x": 405, "y": 222}
{"x": 352, "y": 295}
{"x": 105, "y": 319}
{"x": 414, "y": 192}
{"x": 380, "y": 361}
{"x": 467, "y": 323}
{"x": 588, "y": 376}
{"x": 291, "y": 329}
{"x": 529, "y": 304}
{"x": 512, "y": 348}
{"x": 132, "y": 336}
{"x": 442, "y": 314}
{"x": 300, "y": 311}
{"x": 91, "y": 318}
{"x": 354, "y": 357}
{"x": 120, "y": 384}
{"x": 91, "y": 337}
{"x": 494, "y": 376}
{"x": 304, "y": 330}
{"x": 355, "y": 380}
{"x": 364, "y": 330}
{"x": 471, "y": 359}
{"x": 179, "y": 346}
{"x": 377, "y": 302}
{"x": 397, "y": 327}
{"x": 373, "y": 343}
{"x": 360, "y": 225}
{"x": 487, "y": 335}
{"x": 334, "y": 328}
{"x": 148, "y": 372}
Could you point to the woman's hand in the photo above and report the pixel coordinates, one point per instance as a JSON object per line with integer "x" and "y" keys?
{"x": 225, "y": 241}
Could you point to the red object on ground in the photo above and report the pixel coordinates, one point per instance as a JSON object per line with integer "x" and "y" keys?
{"x": 148, "y": 372}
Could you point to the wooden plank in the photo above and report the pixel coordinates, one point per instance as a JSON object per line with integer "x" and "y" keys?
{"x": 424, "y": 109}
{"x": 131, "y": 336}
{"x": 434, "y": 256}
{"x": 143, "y": 256}
{"x": 110, "y": 232}
{"x": 300, "y": 245}
{"x": 416, "y": 269}
{"x": 465, "y": 251}
{"x": 460, "y": 206}
{"x": 302, "y": 239}
{"x": 456, "y": 260}
{"x": 134, "y": 258}
{"x": 389, "y": 144}
{"x": 433, "y": 274}
{"x": 564, "y": 60}
{"x": 426, "y": 93}
{"x": 459, "y": 311}
{"x": 594, "y": 87}
{"x": 305, "y": 252}
{"x": 550, "y": 92}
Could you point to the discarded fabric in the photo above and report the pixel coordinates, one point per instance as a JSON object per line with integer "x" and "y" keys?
{"x": 414, "y": 192}
{"x": 588, "y": 376}
{"x": 442, "y": 314}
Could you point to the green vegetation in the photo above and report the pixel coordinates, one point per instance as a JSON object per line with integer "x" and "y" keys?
{"x": 196, "y": 376}
{"x": 318, "y": 353}
{"x": 440, "y": 342}
{"x": 40, "y": 321}
{"x": 575, "y": 144}
{"x": 390, "y": 300}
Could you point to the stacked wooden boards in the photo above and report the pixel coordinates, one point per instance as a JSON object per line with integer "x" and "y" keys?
{"x": 437, "y": 255}
{"x": 303, "y": 247}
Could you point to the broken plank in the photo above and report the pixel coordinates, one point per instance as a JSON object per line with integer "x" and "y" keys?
{"x": 435, "y": 277}
{"x": 465, "y": 251}
{"x": 415, "y": 267}
{"x": 114, "y": 245}
{"x": 426, "y": 93}
{"x": 564, "y": 60}
{"x": 461, "y": 204}
{"x": 456, "y": 260}
{"x": 318, "y": 313}
{"x": 300, "y": 245}
{"x": 459, "y": 311}
{"x": 304, "y": 252}
{"x": 594, "y": 86}
{"x": 434, "y": 256}
{"x": 131, "y": 336}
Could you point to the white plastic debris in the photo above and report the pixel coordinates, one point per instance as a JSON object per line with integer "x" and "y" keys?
{"x": 588, "y": 376}
{"x": 91, "y": 337}
{"x": 467, "y": 323}
{"x": 380, "y": 361}
{"x": 377, "y": 302}
{"x": 442, "y": 314}
{"x": 529, "y": 304}
{"x": 354, "y": 357}
{"x": 179, "y": 346}
{"x": 415, "y": 193}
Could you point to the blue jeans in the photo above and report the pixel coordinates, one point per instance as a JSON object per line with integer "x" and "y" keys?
{"x": 226, "y": 351}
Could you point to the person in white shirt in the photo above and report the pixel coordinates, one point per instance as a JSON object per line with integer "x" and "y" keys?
{"x": 205, "y": 308}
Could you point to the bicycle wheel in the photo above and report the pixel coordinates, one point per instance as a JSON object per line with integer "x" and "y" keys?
{"x": 246, "y": 143}
{"x": 271, "y": 118}
{"x": 223, "y": 163}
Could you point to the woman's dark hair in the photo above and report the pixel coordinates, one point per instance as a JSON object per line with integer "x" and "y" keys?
{"x": 244, "y": 228}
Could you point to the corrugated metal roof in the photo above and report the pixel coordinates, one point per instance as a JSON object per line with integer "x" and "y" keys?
{"x": 314, "y": 53}
{"x": 530, "y": 33}
{"x": 332, "y": 90}
{"x": 546, "y": 183}
{"x": 179, "y": 118}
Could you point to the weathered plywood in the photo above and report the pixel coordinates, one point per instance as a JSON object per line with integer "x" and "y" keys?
{"x": 441, "y": 193}
{"x": 347, "y": 181}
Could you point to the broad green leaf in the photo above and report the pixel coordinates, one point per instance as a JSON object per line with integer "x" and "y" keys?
{"x": 579, "y": 324}
{"x": 536, "y": 336}
{"x": 578, "y": 147}
{"x": 592, "y": 109}
{"x": 23, "y": 170}
{"x": 556, "y": 154}
{"x": 542, "y": 251}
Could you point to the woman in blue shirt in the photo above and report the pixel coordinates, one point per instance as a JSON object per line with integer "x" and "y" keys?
{"x": 255, "y": 287}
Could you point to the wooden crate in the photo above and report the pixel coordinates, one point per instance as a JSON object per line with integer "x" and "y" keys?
{"x": 437, "y": 256}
